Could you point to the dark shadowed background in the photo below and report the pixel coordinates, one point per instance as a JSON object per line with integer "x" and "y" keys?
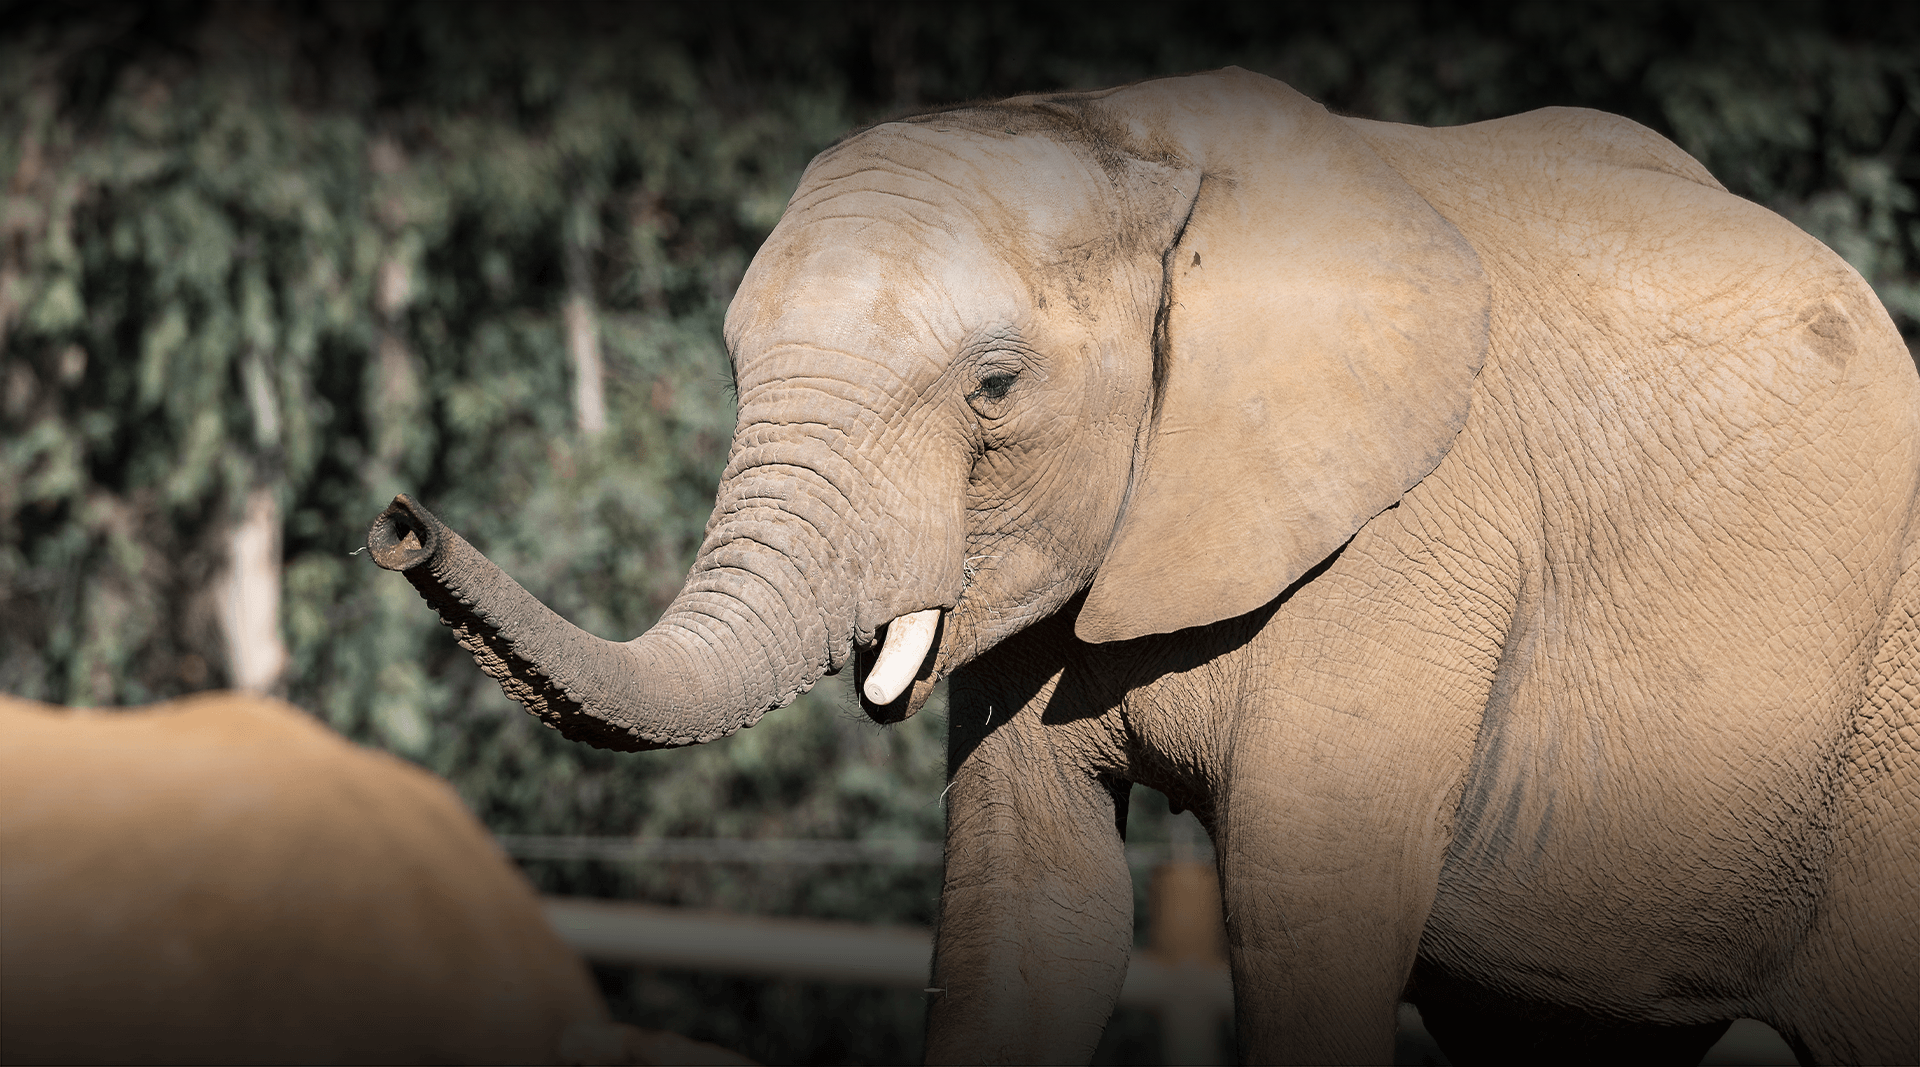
{"x": 263, "y": 266}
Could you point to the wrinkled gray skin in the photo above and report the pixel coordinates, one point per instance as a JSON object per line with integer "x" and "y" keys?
{"x": 1502, "y": 538}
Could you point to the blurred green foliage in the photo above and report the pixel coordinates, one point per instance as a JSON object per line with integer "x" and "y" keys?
{"x": 322, "y": 249}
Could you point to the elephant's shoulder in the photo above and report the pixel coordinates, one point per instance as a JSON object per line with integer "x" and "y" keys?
{"x": 1550, "y": 138}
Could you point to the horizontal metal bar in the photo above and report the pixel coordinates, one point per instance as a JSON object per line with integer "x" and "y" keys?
{"x": 770, "y": 850}
{"x": 899, "y": 956}
{"x": 720, "y": 850}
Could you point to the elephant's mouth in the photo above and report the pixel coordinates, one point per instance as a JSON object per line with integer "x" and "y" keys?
{"x": 896, "y": 675}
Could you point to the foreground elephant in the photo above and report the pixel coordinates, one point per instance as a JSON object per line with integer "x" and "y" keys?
{"x": 1501, "y": 536}
{"x": 223, "y": 880}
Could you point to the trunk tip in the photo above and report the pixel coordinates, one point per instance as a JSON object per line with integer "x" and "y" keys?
{"x": 404, "y": 536}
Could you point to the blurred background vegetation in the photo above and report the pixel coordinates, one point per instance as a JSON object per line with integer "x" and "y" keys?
{"x": 263, "y": 266}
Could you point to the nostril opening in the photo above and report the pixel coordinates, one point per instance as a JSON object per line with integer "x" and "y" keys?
{"x": 401, "y": 539}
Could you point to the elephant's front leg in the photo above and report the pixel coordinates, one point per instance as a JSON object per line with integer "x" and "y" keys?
{"x": 1335, "y": 827}
{"x": 1036, "y": 917}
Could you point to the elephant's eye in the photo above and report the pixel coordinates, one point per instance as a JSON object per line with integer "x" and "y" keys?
{"x": 989, "y": 398}
{"x": 994, "y": 386}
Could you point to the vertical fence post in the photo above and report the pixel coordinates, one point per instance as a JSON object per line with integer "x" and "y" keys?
{"x": 1185, "y": 931}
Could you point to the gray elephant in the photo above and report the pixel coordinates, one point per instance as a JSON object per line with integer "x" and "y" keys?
{"x": 1501, "y": 536}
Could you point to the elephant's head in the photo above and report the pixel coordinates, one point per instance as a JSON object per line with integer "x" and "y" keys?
{"x": 1169, "y": 345}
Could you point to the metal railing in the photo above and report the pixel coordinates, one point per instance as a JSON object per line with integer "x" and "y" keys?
{"x": 650, "y": 935}
{"x": 780, "y": 850}
{"x": 1191, "y": 995}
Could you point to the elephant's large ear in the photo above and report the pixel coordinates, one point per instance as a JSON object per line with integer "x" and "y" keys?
{"x": 1321, "y": 331}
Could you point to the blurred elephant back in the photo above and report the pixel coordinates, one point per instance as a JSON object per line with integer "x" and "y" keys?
{"x": 222, "y": 879}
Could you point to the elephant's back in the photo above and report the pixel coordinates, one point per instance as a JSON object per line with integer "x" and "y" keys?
{"x": 1607, "y": 242}
{"x": 223, "y": 878}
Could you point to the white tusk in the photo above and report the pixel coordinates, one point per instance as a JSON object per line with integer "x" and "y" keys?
{"x": 908, "y": 639}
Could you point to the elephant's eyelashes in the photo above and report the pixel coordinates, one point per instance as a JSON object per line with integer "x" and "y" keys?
{"x": 989, "y": 397}
{"x": 995, "y": 386}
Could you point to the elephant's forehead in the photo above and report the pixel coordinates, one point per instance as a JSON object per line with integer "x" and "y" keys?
{"x": 906, "y": 241}
{"x": 1028, "y": 183}
{"x": 873, "y": 292}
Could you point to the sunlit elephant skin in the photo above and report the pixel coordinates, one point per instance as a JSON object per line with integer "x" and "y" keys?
{"x": 1501, "y": 536}
{"x": 222, "y": 880}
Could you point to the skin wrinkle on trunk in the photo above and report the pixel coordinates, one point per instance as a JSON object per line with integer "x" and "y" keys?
{"x": 769, "y": 521}
{"x": 845, "y": 434}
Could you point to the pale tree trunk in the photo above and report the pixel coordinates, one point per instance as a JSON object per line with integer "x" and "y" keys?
{"x": 582, "y": 321}
{"x": 397, "y": 395}
{"x": 247, "y": 590}
{"x": 249, "y": 597}
{"x": 27, "y": 189}
{"x": 398, "y": 398}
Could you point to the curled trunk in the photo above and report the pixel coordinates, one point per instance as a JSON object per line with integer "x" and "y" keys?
{"x": 723, "y": 655}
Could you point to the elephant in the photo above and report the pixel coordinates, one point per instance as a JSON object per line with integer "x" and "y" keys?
{"x": 221, "y": 879}
{"x": 1501, "y": 537}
